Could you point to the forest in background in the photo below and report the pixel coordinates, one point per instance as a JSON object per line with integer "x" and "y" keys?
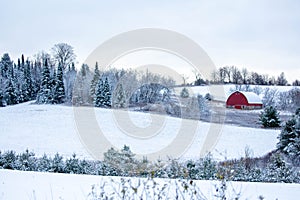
{"x": 52, "y": 78}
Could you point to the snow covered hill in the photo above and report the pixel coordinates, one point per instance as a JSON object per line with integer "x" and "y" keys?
{"x": 53, "y": 128}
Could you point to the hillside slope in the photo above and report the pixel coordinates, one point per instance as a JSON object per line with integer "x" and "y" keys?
{"x": 53, "y": 128}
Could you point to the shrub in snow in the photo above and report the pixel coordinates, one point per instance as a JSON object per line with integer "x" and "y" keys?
{"x": 43, "y": 164}
{"x": 278, "y": 171}
{"x": 208, "y": 97}
{"x": 121, "y": 162}
{"x": 184, "y": 93}
{"x": 175, "y": 169}
{"x": 72, "y": 165}
{"x": 173, "y": 109}
{"x": 57, "y": 164}
{"x": 195, "y": 107}
{"x": 205, "y": 168}
{"x": 269, "y": 117}
{"x": 8, "y": 159}
{"x": 26, "y": 161}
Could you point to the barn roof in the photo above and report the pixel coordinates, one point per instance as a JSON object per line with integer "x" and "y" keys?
{"x": 252, "y": 97}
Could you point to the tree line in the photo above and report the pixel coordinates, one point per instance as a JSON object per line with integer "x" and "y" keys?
{"x": 52, "y": 78}
{"x": 234, "y": 75}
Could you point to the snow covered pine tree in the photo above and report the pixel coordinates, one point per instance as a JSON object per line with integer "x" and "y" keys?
{"x": 270, "y": 117}
{"x": 289, "y": 138}
{"x": 103, "y": 94}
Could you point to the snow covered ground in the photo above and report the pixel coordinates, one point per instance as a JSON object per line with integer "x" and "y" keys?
{"x": 53, "y": 128}
{"x": 37, "y": 185}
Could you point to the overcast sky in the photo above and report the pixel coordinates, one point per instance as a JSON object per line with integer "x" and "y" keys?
{"x": 263, "y": 36}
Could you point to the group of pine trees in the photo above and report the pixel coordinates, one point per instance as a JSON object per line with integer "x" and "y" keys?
{"x": 52, "y": 90}
{"x": 38, "y": 80}
{"x": 120, "y": 88}
{"x": 289, "y": 137}
{"x": 101, "y": 90}
{"x": 18, "y": 82}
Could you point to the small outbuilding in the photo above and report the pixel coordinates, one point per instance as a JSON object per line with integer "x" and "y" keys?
{"x": 244, "y": 100}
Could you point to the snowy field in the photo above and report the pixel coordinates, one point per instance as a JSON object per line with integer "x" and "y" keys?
{"x": 37, "y": 185}
{"x": 52, "y": 128}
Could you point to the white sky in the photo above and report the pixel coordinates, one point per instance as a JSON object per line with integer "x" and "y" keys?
{"x": 260, "y": 35}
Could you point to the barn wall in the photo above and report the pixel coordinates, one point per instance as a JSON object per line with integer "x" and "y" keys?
{"x": 238, "y": 101}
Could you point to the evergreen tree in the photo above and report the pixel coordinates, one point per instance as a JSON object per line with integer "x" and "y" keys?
{"x": 10, "y": 73}
{"x": 208, "y": 97}
{"x": 270, "y": 117}
{"x": 24, "y": 81}
{"x": 281, "y": 80}
{"x": 53, "y": 81}
{"x": 95, "y": 81}
{"x": 10, "y": 94}
{"x": 36, "y": 73}
{"x": 72, "y": 165}
{"x": 2, "y": 103}
{"x": 57, "y": 164}
{"x": 45, "y": 95}
{"x": 69, "y": 80}
{"x": 28, "y": 81}
{"x": 289, "y": 138}
{"x": 22, "y": 59}
{"x": 184, "y": 93}
{"x": 103, "y": 94}
{"x": 6, "y": 64}
{"x": 203, "y": 107}
{"x": 99, "y": 97}
{"x": 59, "y": 94}
{"x": 20, "y": 94}
{"x": 120, "y": 98}
{"x": 107, "y": 94}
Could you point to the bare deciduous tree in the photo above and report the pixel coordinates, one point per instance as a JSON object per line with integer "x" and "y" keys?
{"x": 41, "y": 58}
{"x": 236, "y": 75}
{"x": 63, "y": 54}
{"x": 245, "y": 74}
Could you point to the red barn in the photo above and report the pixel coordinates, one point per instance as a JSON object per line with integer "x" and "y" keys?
{"x": 244, "y": 100}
